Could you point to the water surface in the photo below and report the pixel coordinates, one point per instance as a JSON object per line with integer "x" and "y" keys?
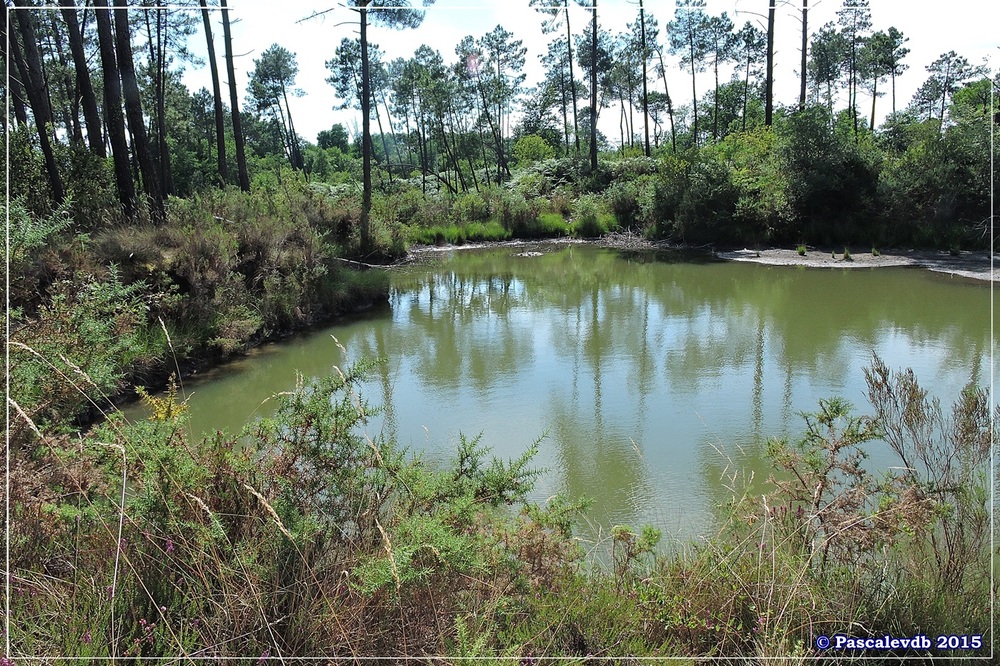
{"x": 652, "y": 377}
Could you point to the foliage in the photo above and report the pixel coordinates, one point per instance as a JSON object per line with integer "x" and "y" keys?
{"x": 345, "y": 546}
{"x": 532, "y": 148}
{"x": 79, "y": 349}
{"x": 590, "y": 218}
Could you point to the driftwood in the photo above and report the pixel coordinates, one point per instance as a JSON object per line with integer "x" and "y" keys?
{"x": 358, "y": 265}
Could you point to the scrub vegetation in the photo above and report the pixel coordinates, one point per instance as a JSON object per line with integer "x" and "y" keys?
{"x": 304, "y": 536}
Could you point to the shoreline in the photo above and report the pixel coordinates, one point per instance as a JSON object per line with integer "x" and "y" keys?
{"x": 973, "y": 264}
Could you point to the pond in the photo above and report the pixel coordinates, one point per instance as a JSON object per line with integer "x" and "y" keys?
{"x": 652, "y": 377}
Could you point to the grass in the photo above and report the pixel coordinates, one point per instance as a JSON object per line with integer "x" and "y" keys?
{"x": 801, "y": 249}
{"x": 458, "y": 234}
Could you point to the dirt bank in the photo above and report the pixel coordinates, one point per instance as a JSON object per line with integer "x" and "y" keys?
{"x": 973, "y": 265}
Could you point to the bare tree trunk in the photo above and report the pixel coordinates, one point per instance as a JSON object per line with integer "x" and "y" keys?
{"x": 133, "y": 108}
{"x": 366, "y": 136}
{"x": 72, "y": 111}
{"x": 220, "y": 123}
{"x": 30, "y": 67}
{"x": 805, "y": 49}
{"x": 645, "y": 92}
{"x": 670, "y": 106}
{"x": 241, "y": 159}
{"x": 113, "y": 109}
{"x": 593, "y": 89}
{"x": 694, "y": 92}
{"x": 86, "y": 89}
{"x": 769, "y": 77}
{"x": 572, "y": 81}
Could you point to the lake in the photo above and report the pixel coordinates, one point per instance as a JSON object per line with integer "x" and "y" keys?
{"x": 652, "y": 376}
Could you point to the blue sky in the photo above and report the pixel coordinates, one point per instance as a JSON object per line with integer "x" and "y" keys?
{"x": 965, "y": 26}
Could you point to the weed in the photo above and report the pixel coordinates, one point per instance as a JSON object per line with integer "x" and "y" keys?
{"x": 801, "y": 249}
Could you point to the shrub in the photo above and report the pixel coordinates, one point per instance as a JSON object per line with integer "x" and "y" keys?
{"x": 471, "y": 207}
{"x": 80, "y": 349}
{"x": 589, "y": 220}
{"x": 511, "y": 210}
{"x": 532, "y": 148}
{"x": 623, "y": 200}
{"x": 801, "y": 249}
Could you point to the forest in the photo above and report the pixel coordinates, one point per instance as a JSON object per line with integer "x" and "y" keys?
{"x": 155, "y": 230}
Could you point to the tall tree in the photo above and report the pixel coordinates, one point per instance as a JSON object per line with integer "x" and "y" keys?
{"x": 345, "y": 68}
{"x": 769, "y": 73}
{"x": 896, "y": 55}
{"x": 501, "y": 73}
{"x": 234, "y": 106}
{"x": 556, "y": 77}
{"x": 855, "y": 20}
{"x": 95, "y": 138}
{"x": 167, "y": 30}
{"x": 113, "y": 116}
{"x": 948, "y": 73}
{"x": 29, "y": 64}
{"x": 646, "y": 53}
{"x": 393, "y": 14}
{"x": 826, "y": 61}
{"x": 752, "y": 46}
{"x": 560, "y": 14}
{"x": 804, "y": 62}
{"x": 593, "y": 86}
{"x": 661, "y": 70}
{"x": 133, "y": 108}
{"x": 272, "y": 79}
{"x": 720, "y": 45}
{"x": 687, "y": 40}
{"x": 220, "y": 124}
{"x": 874, "y": 64}
{"x": 11, "y": 77}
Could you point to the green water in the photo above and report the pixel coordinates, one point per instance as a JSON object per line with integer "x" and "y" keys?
{"x": 652, "y": 377}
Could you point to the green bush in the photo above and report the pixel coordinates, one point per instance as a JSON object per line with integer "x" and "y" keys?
{"x": 83, "y": 344}
{"x": 589, "y": 218}
{"x": 532, "y": 148}
{"x": 470, "y": 207}
{"x": 623, "y": 199}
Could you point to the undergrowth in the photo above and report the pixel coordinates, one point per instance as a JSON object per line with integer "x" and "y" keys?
{"x": 305, "y": 536}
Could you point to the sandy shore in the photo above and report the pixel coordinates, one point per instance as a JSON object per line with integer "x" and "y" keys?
{"x": 972, "y": 265}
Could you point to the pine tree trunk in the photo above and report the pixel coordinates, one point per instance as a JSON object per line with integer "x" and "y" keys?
{"x": 645, "y": 92}
{"x": 113, "y": 116}
{"x": 572, "y": 81}
{"x": 241, "y": 158}
{"x": 694, "y": 92}
{"x": 220, "y": 123}
{"x": 670, "y": 106}
{"x": 13, "y": 85}
{"x": 769, "y": 77}
{"x": 72, "y": 110}
{"x": 133, "y": 108}
{"x": 30, "y": 67}
{"x": 805, "y": 49}
{"x": 91, "y": 117}
{"x": 593, "y": 89}
{"x": 366, "y": 136}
